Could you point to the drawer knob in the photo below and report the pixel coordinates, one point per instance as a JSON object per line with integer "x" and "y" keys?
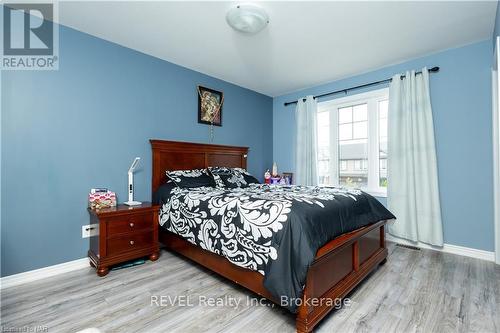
{"x": 131, "y": 224}
{"x": 131, "y": 242}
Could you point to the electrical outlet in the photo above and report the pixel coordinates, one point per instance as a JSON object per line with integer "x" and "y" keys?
{"x": 90, "y": 230}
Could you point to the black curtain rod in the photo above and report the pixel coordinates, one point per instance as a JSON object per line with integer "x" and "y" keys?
{"x": 431, "y": 70}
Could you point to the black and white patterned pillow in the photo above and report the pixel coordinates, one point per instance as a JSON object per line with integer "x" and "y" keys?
{"x": 231, "y": 177}
{"x": 220, "y": 170}
{"x": 218, "y": 181}
{"x": 248, "y": 177}
{"x": 191, "y": 178}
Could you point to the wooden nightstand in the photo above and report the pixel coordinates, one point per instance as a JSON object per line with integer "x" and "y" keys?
{"x": 125, "y": 233}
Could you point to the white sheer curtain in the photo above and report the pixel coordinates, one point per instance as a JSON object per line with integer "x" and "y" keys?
{"x": 413, "y": 192}
{"x": 306, "y": 114}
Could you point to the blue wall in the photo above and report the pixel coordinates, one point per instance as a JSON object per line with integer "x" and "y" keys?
{"x": 66, "y": 131}
{"x": 461, "y": 101}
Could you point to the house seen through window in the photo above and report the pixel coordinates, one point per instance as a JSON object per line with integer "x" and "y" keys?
{"x": 352, "y": 141}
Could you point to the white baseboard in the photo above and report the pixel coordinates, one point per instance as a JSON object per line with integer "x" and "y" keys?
{"x": 37, "y": 274}
{"x": 448, "y": 248}
{"x": 41, "y": 273}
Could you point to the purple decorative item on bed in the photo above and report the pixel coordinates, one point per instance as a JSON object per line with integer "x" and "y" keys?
{"x": 275, "y": 180}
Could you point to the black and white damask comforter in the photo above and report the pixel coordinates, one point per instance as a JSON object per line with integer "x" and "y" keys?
{"x": 275, "y": 230}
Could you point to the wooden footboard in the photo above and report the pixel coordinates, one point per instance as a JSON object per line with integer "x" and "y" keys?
{"x": 339, "y": 266}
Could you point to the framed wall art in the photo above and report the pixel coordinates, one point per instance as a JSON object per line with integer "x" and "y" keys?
{"x": 210, "y": 106}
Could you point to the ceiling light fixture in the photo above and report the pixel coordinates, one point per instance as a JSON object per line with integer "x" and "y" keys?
{"x": 247, "y": 18}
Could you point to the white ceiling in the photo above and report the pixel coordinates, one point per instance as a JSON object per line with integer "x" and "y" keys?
{"x": 306, "y": 43}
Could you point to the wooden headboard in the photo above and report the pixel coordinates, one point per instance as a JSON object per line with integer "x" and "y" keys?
{"x": 174, "y": 155}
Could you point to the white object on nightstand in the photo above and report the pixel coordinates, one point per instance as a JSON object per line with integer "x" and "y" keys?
{"x": 131, "y": 201}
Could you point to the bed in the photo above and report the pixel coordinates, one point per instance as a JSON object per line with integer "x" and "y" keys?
{"x": 333, "y": 271}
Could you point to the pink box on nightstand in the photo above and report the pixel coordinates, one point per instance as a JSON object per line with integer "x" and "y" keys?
{"x": 100, "y": 200}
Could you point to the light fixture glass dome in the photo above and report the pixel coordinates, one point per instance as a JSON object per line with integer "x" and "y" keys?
{"x": 247, "y": 18}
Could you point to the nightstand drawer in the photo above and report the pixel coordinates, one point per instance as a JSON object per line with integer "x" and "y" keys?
{"x": 120, "y": 225}
{"x": 131, "y": 242}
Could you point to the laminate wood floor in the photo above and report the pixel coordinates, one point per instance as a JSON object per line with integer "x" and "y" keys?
{"x": 415, "y": 291}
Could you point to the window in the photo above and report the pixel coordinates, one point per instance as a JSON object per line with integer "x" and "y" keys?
{"x": 383, "y": 107}
{"x": 343, "y": 165}
{"x": 323, "y": 148}
{"x": 352, "y": 141}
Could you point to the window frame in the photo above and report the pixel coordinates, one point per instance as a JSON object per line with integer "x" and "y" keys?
{"x": 372, "y": 99}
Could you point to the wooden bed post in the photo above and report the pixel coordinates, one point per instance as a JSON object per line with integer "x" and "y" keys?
{"x": 301, "y": 322}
